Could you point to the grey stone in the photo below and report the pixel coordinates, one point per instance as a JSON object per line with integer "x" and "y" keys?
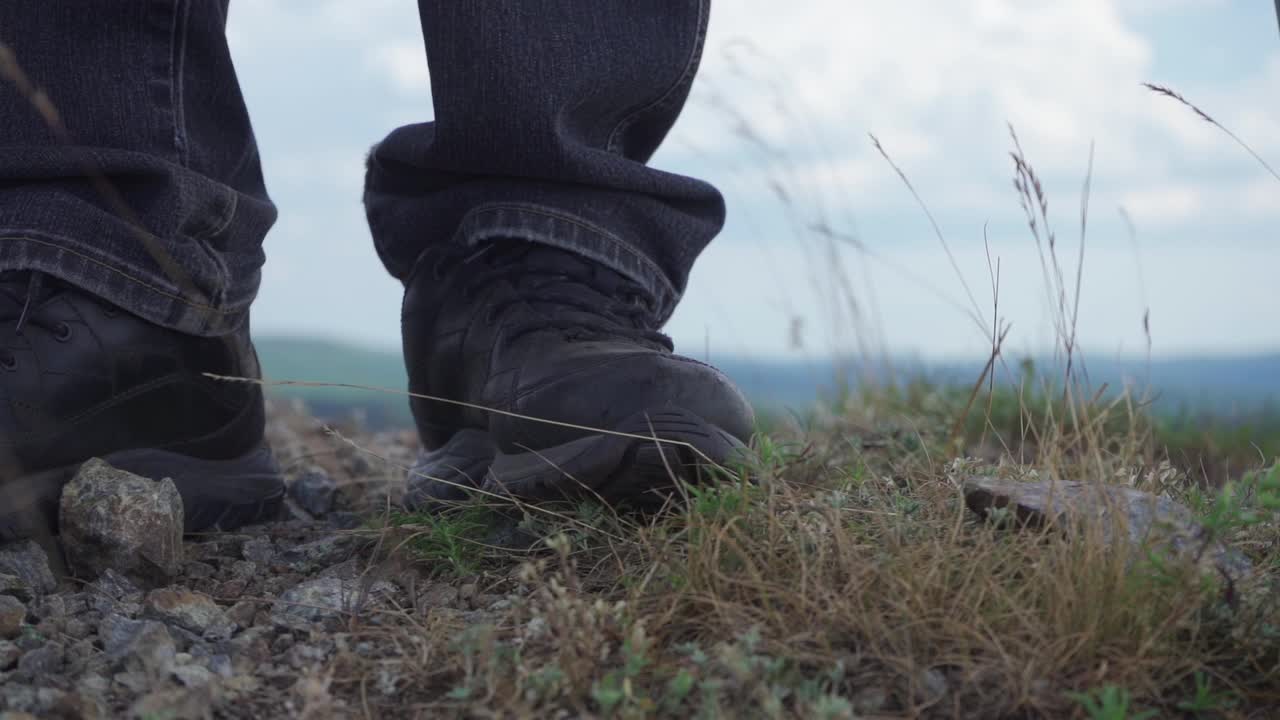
{"x": 150, "y": 651}
{"x": 28, "y": 562}
{"x": 197, "y": 570}
{"x": 77, "y": 628}
{"x": 12, "y": 615}
{"x": 242, "y": 613}
{"x": 192, "y": 675}
{"x": 143, "y": 646}
{"x": 50, "y": 607}
{"x": 188, "y": 610}
{"x": 9, "y": 654}
{"x": 39, "y": 701}
{"x": 1148, "y": 521}
{"x": 325, "y": 602}
{"x": 115, "y": 520}
{"x": 313, "y": 489}
{"x": 93, "y": 683}
{"x": 115, "y": 586}
{"x": 318, "y": 553}
{"x": 42, "y": 662}
{"x": 258, "y": 551}
{"x": 196, "y": 703}
{"x": 15, "y": 586}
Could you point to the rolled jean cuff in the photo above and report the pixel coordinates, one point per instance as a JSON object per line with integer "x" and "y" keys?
{"x": 157, "y": 302}
{"x": 60, "y": 235}
{"x": 555, "y": 227}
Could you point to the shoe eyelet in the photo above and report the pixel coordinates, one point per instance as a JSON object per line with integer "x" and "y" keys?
{"x": 62, "y": 332}
{"x": 8, "y": 363}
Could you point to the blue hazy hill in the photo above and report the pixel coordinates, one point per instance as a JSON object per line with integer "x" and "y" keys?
{"x": 1220, "y": 385}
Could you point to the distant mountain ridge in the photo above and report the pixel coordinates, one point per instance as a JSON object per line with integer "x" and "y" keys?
{"x": 1221, "y": 385}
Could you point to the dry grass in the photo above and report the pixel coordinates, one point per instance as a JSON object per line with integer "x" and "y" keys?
{"x": 846, "y": 580}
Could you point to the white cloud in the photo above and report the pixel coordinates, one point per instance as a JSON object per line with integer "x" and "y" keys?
{"x": 936, "y": 81}
{"x": 406, "y": 66}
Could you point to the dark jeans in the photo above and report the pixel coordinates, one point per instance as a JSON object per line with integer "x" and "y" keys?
{"x": 546, "y": 112}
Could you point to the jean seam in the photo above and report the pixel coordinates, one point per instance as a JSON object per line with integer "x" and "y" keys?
{"x": 127, "y": 276}
{"x": 554, "y": 214}
{"x": 686, "y": 77}
{"x": 177, "y": 66}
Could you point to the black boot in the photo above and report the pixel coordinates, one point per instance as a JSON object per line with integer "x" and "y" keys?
{"x": 560, "y": 378}
{"x": 80, "y": 378}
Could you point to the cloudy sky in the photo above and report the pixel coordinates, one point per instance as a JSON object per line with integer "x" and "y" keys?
{"x": 1181, "y": 220}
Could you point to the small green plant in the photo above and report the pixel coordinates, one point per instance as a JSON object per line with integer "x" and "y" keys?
{"x": 719, "y": 501}
{"x": 1109, "y": 703}
{"x": 1205, "y": 700}
{"x": 452, "y": 540}
{"x": 1253, "y": 500}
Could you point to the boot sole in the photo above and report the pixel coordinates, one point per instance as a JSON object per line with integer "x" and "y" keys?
{"x": 216, "y": 494}
{"x": 620, "y": 468}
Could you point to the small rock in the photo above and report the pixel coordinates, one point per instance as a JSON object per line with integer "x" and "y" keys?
{"x": 318, "y": 553}
{"x": 23, "y": 699}
{"x": 77, "y": 629}
{"x": 111, "y": 519}
{"x": 1148, "y": 519}
{"x": 303, "y": 656}
{"x": 313, "y": 489}
{"x": 439, "y": 595}
{"x": 324, "y": 602}
{"x": 242, "y": 613}
{"x": 139, "y": 645}
{"x": 192, "y": 675}
{"x": 932, "y": 685}
{"x": 197, "y": 570}
{"x": 12, "y": 614}
{"x": 9, "y": 654}
{"x": 15, "y": 586}
{"x": 28, "y": 562}
{"x": 870, "y": 700}
{"x": 195, "y": 703}
{"x": 41, "y": 662}
{"x": 115, "y": 586}
{"x": 230, "y": 589}
{"x": 151, "y": 650}
{"x": 258, "y": 550}
{"x": 188, "y": 610}
{"x": 92, "y": 684}
{"x": 116, "y": 632}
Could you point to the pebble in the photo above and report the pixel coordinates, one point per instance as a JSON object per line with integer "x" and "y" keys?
{"x": 191, "y": 611}
{"x": 313, "y": 489}
{"x": 27, "y": 561}
{"x": 12, "y": 616}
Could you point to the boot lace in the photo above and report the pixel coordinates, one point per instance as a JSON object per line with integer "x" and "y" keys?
{"x": 21, "y": 294}
{"x": 604, "y": 305}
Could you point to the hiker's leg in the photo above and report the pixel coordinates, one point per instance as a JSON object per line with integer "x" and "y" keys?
{"x": 546, "y": 112}
{"x": 156, "y": 133}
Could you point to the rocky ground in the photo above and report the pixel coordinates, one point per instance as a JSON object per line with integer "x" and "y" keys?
{"x": 146, "y": 623}
{"x": 845, "y": 581}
